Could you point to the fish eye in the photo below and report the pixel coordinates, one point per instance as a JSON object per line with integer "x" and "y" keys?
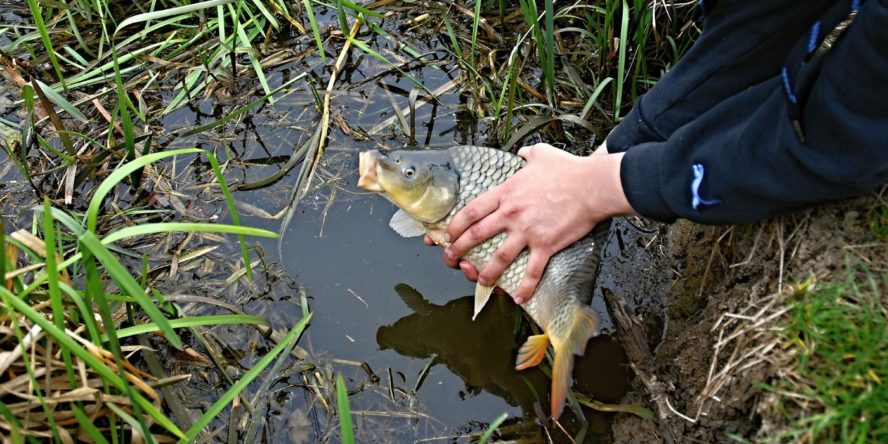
{"x": 409, "y": 171}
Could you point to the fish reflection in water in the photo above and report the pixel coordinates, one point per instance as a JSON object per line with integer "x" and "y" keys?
{"x": 482, "y": 352}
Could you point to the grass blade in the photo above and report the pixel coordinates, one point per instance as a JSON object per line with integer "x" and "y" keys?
{"x": 493, "y": 426}
{"x": 242, "y": 383}
{"x": 86, "y": 425}
{"x": 594, "y": 97}
{"x": 315, "y": 30}
{"x": 476, "y": 18}
{"x": 129, "y": 135}
{"x": 37, "y": 14}
{"x": 346, "y": 429}
{"x": 257, "y": 67}
{"x": 178, "y": 10}
{"x": 621, "y": 61}
{"x": 129, "y": 285}
{"x": 232, "y": 209}
{"x": 92, "y": 212}
{"x": 183, "y": 227}
{"x": 55, "y": 294}
{"x": 56, "y": 122}
{"x": 548, "y": 51}
{"x": 194, "y": 321}
{"x": 62, "y": 103}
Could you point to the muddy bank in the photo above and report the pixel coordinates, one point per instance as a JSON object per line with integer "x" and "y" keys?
{"x": 719, "y": 344}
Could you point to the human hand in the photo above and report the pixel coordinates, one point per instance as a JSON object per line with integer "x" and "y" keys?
{"x": 550, "y": 203}
{"x": 467, "y": 267}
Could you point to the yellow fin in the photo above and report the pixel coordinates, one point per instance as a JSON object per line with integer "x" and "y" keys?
{"x": 532, "y": 351}
{"x": 482, "y": 294}
{"x": 583, "y": 325}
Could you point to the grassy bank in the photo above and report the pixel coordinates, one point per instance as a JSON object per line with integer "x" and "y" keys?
{"x": 833, "y": 390}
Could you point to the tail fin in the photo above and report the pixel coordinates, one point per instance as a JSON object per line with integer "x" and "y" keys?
{"x": 583, "y": 325}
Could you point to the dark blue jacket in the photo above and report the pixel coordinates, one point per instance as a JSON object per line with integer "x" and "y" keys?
{"x": 751, "y": 123}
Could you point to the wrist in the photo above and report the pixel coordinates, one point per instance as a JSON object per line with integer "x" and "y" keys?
{"x": 606, "y": 196}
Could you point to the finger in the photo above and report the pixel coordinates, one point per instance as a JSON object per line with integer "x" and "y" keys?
{"x": 474, "y": 211}
{"x": 428, "y": 241}
{"x": 536, "y": 264}
{"x": 502, "y": 258}
{"x": 450, "y": 260}
{"x": 477, "y": 233}
{"x": 527, "y": 151}
{"x": 469, "y": 270}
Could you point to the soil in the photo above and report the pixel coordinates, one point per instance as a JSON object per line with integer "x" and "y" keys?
{"x": 747, "y": 270}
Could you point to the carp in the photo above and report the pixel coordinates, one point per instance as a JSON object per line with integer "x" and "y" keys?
{"x": 431, "y": 186}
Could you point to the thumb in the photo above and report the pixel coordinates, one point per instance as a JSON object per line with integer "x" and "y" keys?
{"x": 527, "y": 152}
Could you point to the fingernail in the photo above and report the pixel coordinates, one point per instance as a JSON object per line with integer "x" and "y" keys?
{"x": 447, "y": 237}
{"x": 518, "y": 299}
{"x": 448, "y": 253}
{"x": 483, "y": 282}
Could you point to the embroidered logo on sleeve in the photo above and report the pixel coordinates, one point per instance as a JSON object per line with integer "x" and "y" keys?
{"x": 696, "y": 200}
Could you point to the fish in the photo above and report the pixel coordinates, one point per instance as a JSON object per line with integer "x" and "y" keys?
{"x": 430, "y": 186}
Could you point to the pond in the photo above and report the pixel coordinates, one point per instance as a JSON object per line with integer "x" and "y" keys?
{"x": 430, "y": 372}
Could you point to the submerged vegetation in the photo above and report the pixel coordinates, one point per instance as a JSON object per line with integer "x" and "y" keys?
{"x": 117, "y": 197}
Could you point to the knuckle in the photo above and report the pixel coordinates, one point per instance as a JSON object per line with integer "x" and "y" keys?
{"x": 524, "y": 289}
{"x": 534, "y": 273}
{"x": 510, "y": 210}
{"x": 475, "y": 232}
{"x": 470, "y": 212}
{"x": 502, "y": 256}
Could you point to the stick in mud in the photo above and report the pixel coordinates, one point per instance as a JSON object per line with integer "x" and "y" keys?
{"x": 632, "y": 337}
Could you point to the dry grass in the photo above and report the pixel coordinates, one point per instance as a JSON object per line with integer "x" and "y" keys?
{"x": 42, "y": 398}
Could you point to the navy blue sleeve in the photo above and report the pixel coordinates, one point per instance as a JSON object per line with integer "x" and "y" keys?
{"x": 742, "y": 160}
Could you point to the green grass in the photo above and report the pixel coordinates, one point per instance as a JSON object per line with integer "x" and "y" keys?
{"x": 839, "y": 390}
{"x": 346, "y": 429}
{"x": 491, "y": 429}
{"x": 77, "y": 285}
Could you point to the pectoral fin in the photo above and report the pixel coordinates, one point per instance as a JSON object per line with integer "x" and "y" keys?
{"x": 532, "y": 351}
{"x": 482, "y": 295}
{"x": 405, "y": 225}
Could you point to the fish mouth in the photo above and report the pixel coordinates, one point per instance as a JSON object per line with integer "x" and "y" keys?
{"x": 367, "y": 169}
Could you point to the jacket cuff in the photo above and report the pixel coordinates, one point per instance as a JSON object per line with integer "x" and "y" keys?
{"x": 631, "y": 131}
{"x": 640, "y": 177}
